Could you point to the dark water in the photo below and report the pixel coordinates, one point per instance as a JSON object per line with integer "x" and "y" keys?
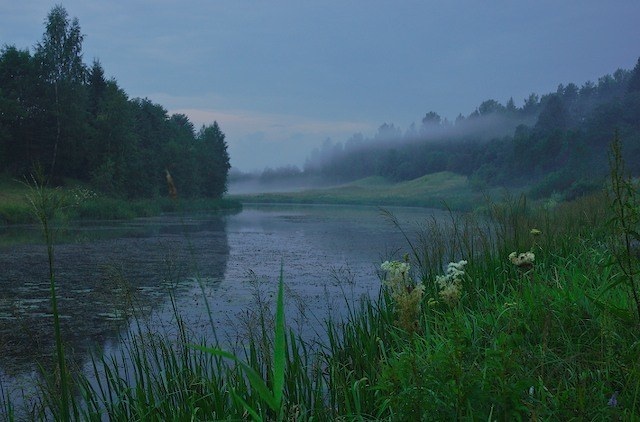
{"x": 108, "y": 272}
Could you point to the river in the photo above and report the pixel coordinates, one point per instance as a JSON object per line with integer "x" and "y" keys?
{"x": 109, "y": 272}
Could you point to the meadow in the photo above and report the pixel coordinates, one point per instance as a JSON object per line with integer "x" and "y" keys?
{"x": 517, "y": 312}
{"x": 433, "y": 190}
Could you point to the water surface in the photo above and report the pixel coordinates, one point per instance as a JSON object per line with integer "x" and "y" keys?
{"x": 107, "y": 272}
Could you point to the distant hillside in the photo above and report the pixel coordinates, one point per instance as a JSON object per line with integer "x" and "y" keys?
{"x": 556, "y": 143}
{"x": 434, "y": 190}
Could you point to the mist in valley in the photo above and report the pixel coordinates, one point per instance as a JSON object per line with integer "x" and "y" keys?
{"x": 555, "y": 143}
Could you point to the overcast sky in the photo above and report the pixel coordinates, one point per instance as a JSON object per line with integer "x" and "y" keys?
{"x": 281, "y": 76}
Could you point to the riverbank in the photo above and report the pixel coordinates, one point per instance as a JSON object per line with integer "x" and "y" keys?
{"x": 83, "y": 204}
{"x": 439, "y": 190}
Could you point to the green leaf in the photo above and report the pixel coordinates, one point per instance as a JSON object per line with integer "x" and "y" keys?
{"x": 615, "y": 282}
{"x": 273, "y": 399}
{"x": 246, "y": 406}
{"x": 623, "y": 314}
{"x": 255, "y": 379}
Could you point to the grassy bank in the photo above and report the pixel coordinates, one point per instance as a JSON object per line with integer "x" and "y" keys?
{"x": 84, "y": 204}
{"x": 521, "y": 313}
{"x": 433, "y": 191}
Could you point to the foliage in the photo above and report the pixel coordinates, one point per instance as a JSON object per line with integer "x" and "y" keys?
{"x": 45, "y": 203}
{"x": 546, "y": 334}
{"x": 57, "y": 113}
{"x": 16, "y": 209}
{"x": 553, "y": 144}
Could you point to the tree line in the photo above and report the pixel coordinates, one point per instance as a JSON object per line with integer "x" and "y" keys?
{"x": 68, "y": 119}
{"x": 555, "y": 143}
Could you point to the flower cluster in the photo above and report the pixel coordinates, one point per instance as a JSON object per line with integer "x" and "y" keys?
{"x": 406, "y": 294}
{"x": 450, "y": 284}
{"x": 397, "y": 274}
{"x": 523, "y": 260}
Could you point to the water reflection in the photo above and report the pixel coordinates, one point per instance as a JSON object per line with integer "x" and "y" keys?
{"x": 104, "y": 273}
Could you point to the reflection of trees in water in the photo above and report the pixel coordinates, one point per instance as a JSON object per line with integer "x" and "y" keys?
{"x": 100, "y": 286}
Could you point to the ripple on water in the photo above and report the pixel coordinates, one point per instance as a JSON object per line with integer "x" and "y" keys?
{"x": 7, "y": 316}
{"x": 112, "y": 316}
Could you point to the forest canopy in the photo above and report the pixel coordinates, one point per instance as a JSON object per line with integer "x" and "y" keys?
{"x": 65, "y": 117}
{"x": 556, "y": 143}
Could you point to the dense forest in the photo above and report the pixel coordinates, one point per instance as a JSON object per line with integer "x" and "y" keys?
{"x": 66, "y": 118}
{"x": 554, "y": 143}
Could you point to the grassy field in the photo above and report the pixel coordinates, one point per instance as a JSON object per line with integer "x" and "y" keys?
{"x": 433, "y": 190}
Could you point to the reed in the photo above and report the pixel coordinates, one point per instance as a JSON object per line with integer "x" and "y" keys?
{"x": 45, "y": 203}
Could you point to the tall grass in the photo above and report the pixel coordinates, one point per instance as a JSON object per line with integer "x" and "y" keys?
{"x": 45, "y": 203}
{"x": 518, "y": 345}
{"x": 626, "y": 221}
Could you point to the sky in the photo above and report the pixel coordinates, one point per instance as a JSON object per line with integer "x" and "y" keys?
{"x": 280, "y": 77}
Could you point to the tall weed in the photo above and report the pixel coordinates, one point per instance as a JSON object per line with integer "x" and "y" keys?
{"x": 625, "y": 223}
{"x": 45, "y": 203}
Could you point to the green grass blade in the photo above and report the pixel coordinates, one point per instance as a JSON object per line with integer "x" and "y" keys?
{"x": 255, "y": 379}
{"x": 250, "y": 410}
{"x": 279, "y": 353}
{"x": 621, "y": 313}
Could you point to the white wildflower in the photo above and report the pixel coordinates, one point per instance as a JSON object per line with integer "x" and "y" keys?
{"x": 397, "y": 273}
{"x": 450, "y": 284}
{"x": 523, "y": 260}
{"x": 406, "y": 294}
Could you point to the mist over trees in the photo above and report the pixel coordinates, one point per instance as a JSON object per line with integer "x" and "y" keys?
{"x": 67, "y": 118}
{"x": 554, "y": 143}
